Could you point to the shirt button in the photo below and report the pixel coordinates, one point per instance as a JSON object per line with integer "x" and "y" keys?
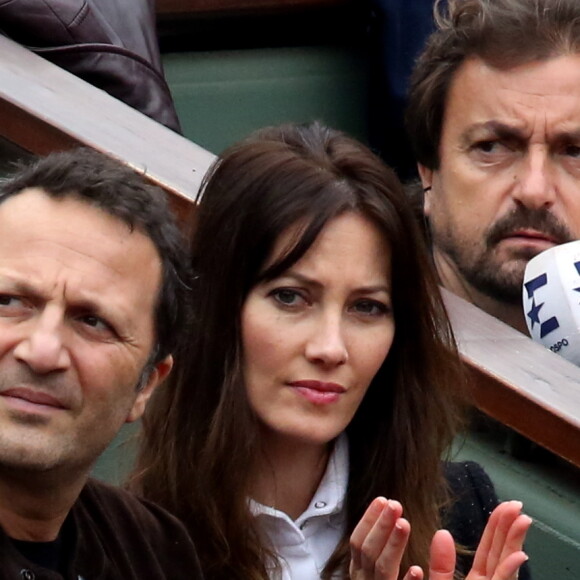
{"x": 320, "y": 504}
{"x": 27, "y": 574}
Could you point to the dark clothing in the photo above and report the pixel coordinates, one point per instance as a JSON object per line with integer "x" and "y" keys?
{"x": 111, "y": 44}
{"x": 398, "y": 31}
{"x": 474, "y": 500}
{"x": 115, "y": 537}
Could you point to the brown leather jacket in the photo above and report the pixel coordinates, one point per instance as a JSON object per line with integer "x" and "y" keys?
{"x": 111, "y": 44}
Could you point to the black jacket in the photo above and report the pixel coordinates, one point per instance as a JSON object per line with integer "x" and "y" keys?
{"x": 115, "y": 537}
{"x": 474, "y": 499}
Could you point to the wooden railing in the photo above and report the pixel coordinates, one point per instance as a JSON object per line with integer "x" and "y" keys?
{"x": 518, "y": 382}
{"x": 43, "y": 108}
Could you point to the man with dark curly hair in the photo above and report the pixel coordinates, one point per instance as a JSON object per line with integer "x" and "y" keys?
{"x": 494, "y": 117}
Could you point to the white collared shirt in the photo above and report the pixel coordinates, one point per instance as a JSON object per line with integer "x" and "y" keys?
{"x": 305, "y": 545}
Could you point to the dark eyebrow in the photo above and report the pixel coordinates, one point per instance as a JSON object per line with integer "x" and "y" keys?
{"x": 495, "y": 128}
{"x": 310, "y": 282}
{"x": 24, "y": 288}
{"x": 511, "y": 133}
{"x": 300, "y": 278}
{"x": 21, "y": 286}
{"x": 568, "y": 136}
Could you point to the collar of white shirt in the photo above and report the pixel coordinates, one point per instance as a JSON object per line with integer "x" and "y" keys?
{"x": 305, "y": 545}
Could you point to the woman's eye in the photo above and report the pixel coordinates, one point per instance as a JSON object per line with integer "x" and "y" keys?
{"x": 370, "y": 308}
{"x": 287, "y": 297}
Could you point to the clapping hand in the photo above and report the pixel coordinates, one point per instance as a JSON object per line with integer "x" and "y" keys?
{"x": 379, "y": 540}
{"x": 499, "y": 554}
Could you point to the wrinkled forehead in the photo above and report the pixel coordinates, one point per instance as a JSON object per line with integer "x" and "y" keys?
{"x": 542, "y": 95}
{"x": 69, "y": 249}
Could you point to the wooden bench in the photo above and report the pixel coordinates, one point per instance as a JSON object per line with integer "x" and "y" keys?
{"x": 43, "y": 108}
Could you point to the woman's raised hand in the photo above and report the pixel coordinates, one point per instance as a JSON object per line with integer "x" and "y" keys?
{"x": 499, "y": 554}
{"x": 378, "y": 542}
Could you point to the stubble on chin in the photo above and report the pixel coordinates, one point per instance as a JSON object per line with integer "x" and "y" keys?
{"x": 25, "y": 447}
{"x": 485, "y": 270}
{"x": 488, "y": 267}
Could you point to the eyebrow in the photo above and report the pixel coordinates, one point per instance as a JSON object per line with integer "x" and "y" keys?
{"x": 20, "y": 286}
{"x": 496, "y": 128}
{"x": 83, "y": 303}
{"x": 510, "y": 132}
{"x": 569, "y": 136}
{"x": 306, "y": 280}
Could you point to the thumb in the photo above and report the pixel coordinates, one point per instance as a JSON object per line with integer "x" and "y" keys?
{"x": 442, "y": 556}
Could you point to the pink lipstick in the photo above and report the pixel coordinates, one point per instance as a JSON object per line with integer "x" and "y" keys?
{"x": 318, "y": 392}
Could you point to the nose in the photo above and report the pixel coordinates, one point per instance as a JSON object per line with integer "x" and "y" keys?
{"x": 326, "y": 344}
{"x": 42, "y": 347}
{"x": 536, "y": 188}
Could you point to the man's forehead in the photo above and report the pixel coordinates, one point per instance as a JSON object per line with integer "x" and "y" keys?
{"x": 64, "y": 214}
{"x": 67, "y": 242}
{"x": 517, "y": 99}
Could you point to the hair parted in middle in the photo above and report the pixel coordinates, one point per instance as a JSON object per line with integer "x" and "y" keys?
{"x": 201, "y": 437}
{"x": 502, "y": 33}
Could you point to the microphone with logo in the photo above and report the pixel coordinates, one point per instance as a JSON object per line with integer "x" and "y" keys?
{"x": 551, "y": 299}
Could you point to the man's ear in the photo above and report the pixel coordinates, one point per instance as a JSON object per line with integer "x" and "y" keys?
{"x": 155, "y": 378}
{"x": 426, "y": 176}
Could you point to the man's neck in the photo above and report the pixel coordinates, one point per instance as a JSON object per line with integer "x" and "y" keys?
{"x": 33, "y": 508}
{"x": 451, "y": 279}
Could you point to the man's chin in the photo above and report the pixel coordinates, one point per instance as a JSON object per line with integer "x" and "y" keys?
{"x": 31, "y": 454}
{"x": 500, "y": 281}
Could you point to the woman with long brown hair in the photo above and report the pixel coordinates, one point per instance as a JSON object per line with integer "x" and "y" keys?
{"x": 321, "y": 379}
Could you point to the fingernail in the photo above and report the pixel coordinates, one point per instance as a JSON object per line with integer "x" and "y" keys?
{"x": 379, "y": 504}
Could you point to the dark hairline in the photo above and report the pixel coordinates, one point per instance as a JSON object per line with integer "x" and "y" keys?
{"x": 449, "y": 48}
{"x": 161, "y": 229}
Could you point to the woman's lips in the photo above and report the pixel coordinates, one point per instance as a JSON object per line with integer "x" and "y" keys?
{"x": 318, "y": 392}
